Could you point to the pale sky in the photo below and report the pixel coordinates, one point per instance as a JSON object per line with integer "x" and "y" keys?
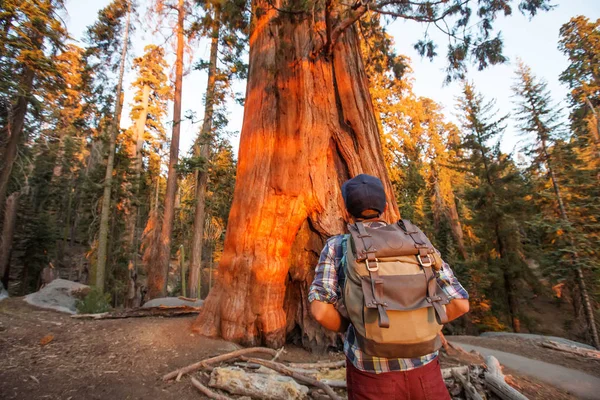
{"x": 534, "y": 41}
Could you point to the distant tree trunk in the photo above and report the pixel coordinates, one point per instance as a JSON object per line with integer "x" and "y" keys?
{"x": 447, "y": 208}
{"x": 8, "y": 230}
{"x": 158, "y": 269}
{"x": 203, "y": 150}
{"x": 114, "y": 129}
{"x": 15, "y": 129}
{"x": 136, "y": 155}
{"x": 579, "y": 278}
{"x": 595, "y": 130}
{"x": 309, "y": 125}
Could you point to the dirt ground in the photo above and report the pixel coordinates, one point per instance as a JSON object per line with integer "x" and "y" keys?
{"x": 48, "y": 355}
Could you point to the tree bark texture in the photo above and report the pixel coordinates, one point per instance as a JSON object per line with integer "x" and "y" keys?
{"x": 8, "y": 230}
{"x": 114, "y": 129}
{"x": 309, "y": 125}
{"x": 203, "y": 150}
{"x": 15, "y": 128}
{"x": 159, "y": 267}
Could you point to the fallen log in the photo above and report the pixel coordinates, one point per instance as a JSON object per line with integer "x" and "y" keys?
{"x": 550, "y": 344}
{"x": 334, "y": 383}
{"x": 447, "y": 372}
{"x": 470, "y": 391}
{"x": 259, "y": 386}
{"x": 282, "y": 369}
{"x": 207, "y": 392}
{"x": 217, "y": 359}
{"x": 495, "y": 380}
{"x": 142, "y": 312}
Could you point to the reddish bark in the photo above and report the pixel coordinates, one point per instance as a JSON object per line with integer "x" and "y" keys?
{"x": 8, "y": 230}
{"x": 309, "y": 125}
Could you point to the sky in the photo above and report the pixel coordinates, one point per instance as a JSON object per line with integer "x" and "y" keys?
{"x": 534, "y": 41}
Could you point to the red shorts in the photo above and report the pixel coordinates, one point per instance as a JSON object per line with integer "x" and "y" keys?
{"x": 423, "y": 383}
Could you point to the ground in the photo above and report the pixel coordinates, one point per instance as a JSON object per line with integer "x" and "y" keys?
{"x": 49, "y": 355}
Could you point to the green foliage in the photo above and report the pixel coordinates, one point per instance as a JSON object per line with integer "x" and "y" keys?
{"x": 94, "y": 302}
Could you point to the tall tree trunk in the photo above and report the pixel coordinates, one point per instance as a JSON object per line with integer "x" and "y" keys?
{"x": 596, "y": 130}
{"x": 309, "y": 125}
{"x": 204, "y": 143}
{"x": 8, "y": 230}
{"x": 159, "y": 269}
{"x": 114, "y": 129}
{"x": 579, "y": 278}
{"x": 136, "y": 155}
{"x": 509, "y": 290}
{"x": 15, "y": 129}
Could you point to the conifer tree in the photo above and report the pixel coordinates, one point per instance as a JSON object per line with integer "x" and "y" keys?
{"x": 104, "y": 37}
{"x": 538, "y": 118}
{"x": 148, "y": 111}
{"x": 580, "y": 41}
{"x": 158, "y": 266}
{"x": 495, "y": 187}
{"x": 224, "y": 21}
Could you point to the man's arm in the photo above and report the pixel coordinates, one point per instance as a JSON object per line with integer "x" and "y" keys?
{"x": 327, "y": 315}
{"x": 459, "y": 298}
{"x": 322, "y": 294}
{"x": 456, "y": 308}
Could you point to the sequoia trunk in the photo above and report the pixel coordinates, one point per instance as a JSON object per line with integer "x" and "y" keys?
{"x": 309, "y": 125}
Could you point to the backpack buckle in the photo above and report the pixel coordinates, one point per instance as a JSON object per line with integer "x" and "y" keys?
{"x": 426, "y": 264}
{"x": 375, "y": 268}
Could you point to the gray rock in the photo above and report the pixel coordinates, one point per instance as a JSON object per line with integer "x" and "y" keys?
{"x": 3, "y": 292}
{"x": 172, "y": 302}
{"x": 59, "y": 295}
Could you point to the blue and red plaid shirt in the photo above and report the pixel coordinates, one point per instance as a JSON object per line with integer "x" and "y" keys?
{"x": 327, "y": 287}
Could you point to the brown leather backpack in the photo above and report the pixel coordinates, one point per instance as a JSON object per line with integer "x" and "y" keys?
{"x": 391, "y": 293}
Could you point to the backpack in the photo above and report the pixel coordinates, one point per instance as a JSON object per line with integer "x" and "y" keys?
{"x": 390, "y": 291}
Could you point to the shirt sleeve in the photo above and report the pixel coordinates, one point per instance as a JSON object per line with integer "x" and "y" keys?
{"x": 449, "y": 284}
{"x": 325, "y": 283}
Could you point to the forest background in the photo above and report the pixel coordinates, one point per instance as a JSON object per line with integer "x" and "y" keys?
{"x": 510, "y": 200}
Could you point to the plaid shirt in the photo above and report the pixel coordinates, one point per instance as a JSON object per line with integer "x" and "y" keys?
{"x": 327, "y": 287}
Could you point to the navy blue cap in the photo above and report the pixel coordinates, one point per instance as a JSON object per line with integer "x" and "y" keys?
{"x": 363, "y": 192}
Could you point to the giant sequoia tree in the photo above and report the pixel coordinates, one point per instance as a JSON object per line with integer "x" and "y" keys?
{"x": 308, "y": 126}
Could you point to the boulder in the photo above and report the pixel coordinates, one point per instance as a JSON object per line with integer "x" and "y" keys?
{"x": 172, "y": 302}
{"x": 3, "y": 292}
{"x": 60, "y": 295}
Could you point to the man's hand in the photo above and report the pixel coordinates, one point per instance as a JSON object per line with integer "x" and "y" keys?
{"x": 456, "y": 308}
{"x": 327, "y": 315}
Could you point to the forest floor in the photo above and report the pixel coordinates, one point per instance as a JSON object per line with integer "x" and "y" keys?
{"x": 48, "y": 355}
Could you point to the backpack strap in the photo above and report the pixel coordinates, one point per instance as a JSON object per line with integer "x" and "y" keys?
{"x": 422, "y": 247}
{"x": 426, "y": 260}
{"x": 373, "y": 268}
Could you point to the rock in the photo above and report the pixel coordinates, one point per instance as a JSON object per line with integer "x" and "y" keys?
{"x": 172, "y": 302}
{"x": 58, "y": 295}
{"x": 3, "y": 292}
{"x": 269, "y": 387}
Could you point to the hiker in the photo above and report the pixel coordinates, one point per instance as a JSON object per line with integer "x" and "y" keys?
{"x": 390, "y": 291}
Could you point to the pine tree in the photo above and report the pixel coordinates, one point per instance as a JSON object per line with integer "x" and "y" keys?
{"x": 538, "y": 118}
{"x": 580, "y": 41}
{"x": 158, "y": 267}
{"x": 147, "y": 134}
{"x": 104, "y": 37}
{"x": 495, "y": 189}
